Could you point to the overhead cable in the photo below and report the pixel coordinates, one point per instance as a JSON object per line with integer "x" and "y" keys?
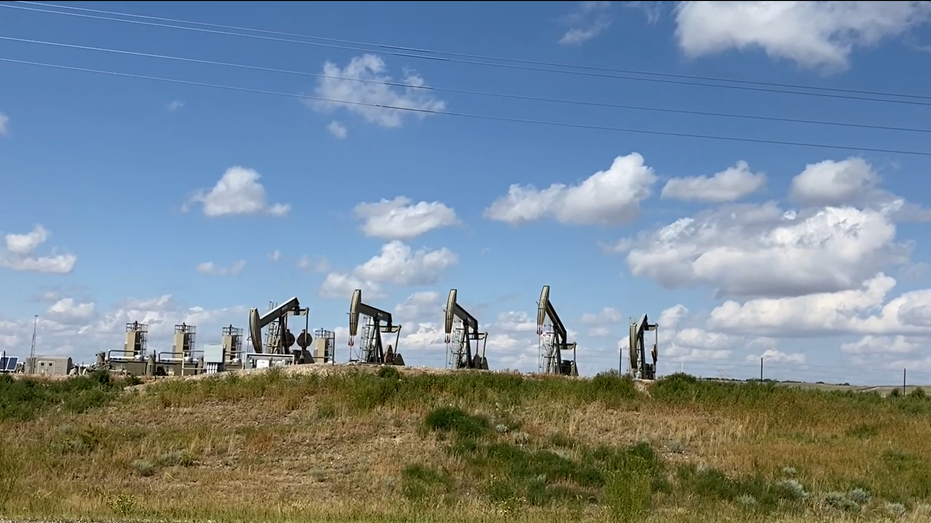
{"x": 470, "y": 115}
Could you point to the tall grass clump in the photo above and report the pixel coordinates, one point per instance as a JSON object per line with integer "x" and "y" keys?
{"x": 27, "y": 399}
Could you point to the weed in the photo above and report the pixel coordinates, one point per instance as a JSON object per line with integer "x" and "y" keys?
{"x": 421, "y": 482}
{"x": 27, "y": 399}
{"x": 454, "y": 419}
{"x": 859, "y": 496}
{"x": 841, "y": 502}
{"x": 388, "y": 372}
{"x": 176, "y": 458}
{"x": 143, "y": 467}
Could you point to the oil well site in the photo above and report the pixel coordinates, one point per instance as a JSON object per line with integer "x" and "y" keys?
{"x": 270, "y": 342}
{"x": 282, "y": 432}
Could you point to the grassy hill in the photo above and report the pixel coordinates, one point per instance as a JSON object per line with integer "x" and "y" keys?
{"x": 376, "y": 444}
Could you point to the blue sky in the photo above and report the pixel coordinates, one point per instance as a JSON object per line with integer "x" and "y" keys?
{"x": 136, "y": 199}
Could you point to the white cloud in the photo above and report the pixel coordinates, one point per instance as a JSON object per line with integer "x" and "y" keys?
{"x": 68, "y": 310}
{"x": 834, "y": 183}
{"x": 19, "y": 254}
{"x": 602, "y": 324}
{"x": 77, "y": 329}
{"x": 681, "y": 341}
{"x": 880, "y": 346}
{"x": 858, "y": 311}
{"x": 588, "y": 21}
{"x": 307, "y": 263}
{"x": 212, "y": 269}
{"x": 419, "y": 305}
{"x": 830, "y": 249}
{"x": 174, "y": 105}
{"x": 370, "y": 93}
{"x": 237, "y": 192}
{"x": 396, "y": 264}
{"x": 275, "y": 256}
{"x": 852, "y": 181}
{"x": 726, "y": 186}
{"x": 337, "y": 129}
{"x": 341, "y": 285}
{"x": 397, "y": 219}
{"x": 777, "y": 356}
{"x": 607, "y": 197}
{"x": 652, "y": 10}
{"x": 816, "y": 35}
{"x": 4, "y": 124}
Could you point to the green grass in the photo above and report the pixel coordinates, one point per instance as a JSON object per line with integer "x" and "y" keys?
{"x": 397, "y": 445}
{"x": 26, "y": 399}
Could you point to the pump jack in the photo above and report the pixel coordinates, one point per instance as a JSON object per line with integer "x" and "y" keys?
{"x": 282, "y": 338}
{"x": 463, "y": 355}
{"x": 552, "y": 354}
{"x": 639, "y": 368}
{"x": 372, "y": 350}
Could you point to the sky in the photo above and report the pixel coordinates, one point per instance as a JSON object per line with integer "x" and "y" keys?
{"x": 164, "y": 175}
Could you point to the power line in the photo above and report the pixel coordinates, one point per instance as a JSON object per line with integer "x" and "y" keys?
{"x": 387, "y": 50}
{"x": 477, "y": 56}
{"x": 467, "y": 115}
{"x": 465, "y": 91}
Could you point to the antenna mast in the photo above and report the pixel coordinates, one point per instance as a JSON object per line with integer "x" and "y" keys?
{"x": 32, "y": 349}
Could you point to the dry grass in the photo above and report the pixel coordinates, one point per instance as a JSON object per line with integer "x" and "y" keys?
{"x": 337, "y": 444}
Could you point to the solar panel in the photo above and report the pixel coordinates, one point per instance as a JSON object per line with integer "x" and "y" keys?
{"x": 8, "y": 363}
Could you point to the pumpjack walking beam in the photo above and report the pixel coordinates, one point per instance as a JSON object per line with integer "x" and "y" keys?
{"x": 470, "y": 333}
{"x": 555, "y": 362}
{"x": 639, "y": 368}
{"x": 372, "y": 348}
{"x": 279, "y": 314}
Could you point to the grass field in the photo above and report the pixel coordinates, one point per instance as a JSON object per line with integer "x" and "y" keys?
{"x": 375, "y": 444}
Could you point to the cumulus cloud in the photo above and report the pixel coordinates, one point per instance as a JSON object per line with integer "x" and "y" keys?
{"x": 363, "y": 88}
{"x": 397, "y": 264}
{"x": 830, "y": 249}
{"x": 602, "y": 324}
{"x": 70, "y": 327}
{"x": 858, "y": 311}
{"x": 815, "y": 35}
{"x": 419, "y": 305}
{"x": 608, "y": 197}
{"x": 19, "y": 254}
{"x": 211, "y": 269}
{"x": 852, "y": 181}
{"x": 275, "y": 255}
{"x": 4, "y": 124}
{"x": 237, "y": 192}
{"x": 880, "y": 346}
{"x": 589, "y": 20}
{"x": 174, "y": 105}
{"x": 398, "y": 219}
{"x": 728, "y": 185}
{"x": 682, "y": 340}
{"x": 337, "y": 129}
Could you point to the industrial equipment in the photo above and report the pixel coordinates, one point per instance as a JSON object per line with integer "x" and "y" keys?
{"x": 8, "y": 364}
{"x": 182, "y": 346}
{"x": 371, "y": 349}
{"x": 134, "y": 358}
{"x": 553, "y": 344}
{"x": 459, "y": 352}
{"x": 324, "y": 344}
{"x": 278, "y": 338}
{"x": 231, "y": 344}
{"x": 639, "y": 368}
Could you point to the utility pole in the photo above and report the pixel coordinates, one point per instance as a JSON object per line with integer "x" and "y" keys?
{"x": 32, "y": 349}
